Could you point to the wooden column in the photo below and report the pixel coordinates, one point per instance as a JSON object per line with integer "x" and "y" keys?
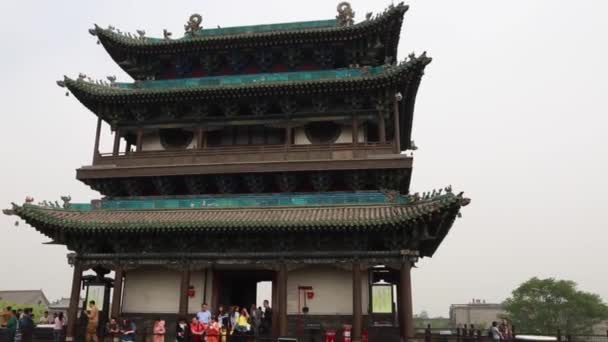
{"x": 355, "y": 130}
{"x": 381, "y": 127}
{"x": 275, "y": 306}
{"x": 97, "y": 137}
{"x": 200, "y": 138}
{"x": 116, "y": 143}
{"x": 406, "y": 317}
{"x": 140, "y": 140}
{"x": 282, "y": 290}
{"x": 74, "y": 301}
{"x": 397, "y": 138}
{"x": 216, "y": 284}
{"x": 288, "y": 133}
{"x": 183, "y": 294}
{"x": 119, "y": 273}
{"x": 357, "y": 310}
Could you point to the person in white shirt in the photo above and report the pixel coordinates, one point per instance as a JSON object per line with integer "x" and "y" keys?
{"x": 496, "y": 335}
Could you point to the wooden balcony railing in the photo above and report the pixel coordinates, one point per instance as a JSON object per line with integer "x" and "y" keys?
{"x": 246, "y": 154}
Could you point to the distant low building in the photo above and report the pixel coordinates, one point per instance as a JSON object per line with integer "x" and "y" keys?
{"x": 24, "y": 297}
{"x": 62, "y": 305}
{"x": 478, "y": 312}
{"x": 601, "y": 328}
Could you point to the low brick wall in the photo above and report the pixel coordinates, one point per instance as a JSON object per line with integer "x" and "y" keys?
{"x": 296, "y": 324}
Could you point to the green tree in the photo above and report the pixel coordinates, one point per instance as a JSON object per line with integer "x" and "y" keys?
{"x": 37, "y": 310}
{"x": 544, "y": 305}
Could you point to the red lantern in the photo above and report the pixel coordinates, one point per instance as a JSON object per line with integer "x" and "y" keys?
{"x": 191, "y": 291}
{"x": 310, "y": 295}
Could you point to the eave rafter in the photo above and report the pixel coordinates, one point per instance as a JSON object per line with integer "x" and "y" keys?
{"x": 99, "y": 96}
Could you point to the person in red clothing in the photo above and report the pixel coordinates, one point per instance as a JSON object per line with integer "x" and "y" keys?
{"x": 213, "y": 331}
{"x": 197, "y": 329}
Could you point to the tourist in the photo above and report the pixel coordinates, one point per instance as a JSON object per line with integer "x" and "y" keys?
{"x": 204, "y": 316}
{"x": 113, "y": 330}
{"x": 11, "y": 324}
{"x": 242, "y": 324}
{"x": 197, "y": 329}
{"x": 495, "y": 333}
{"x": 58, "y": 323}
{"x": 81, "y": 329}
{"x": 223, "y": 319}
{"x": 158, "y": 331}
{"x": 6, "y": 315}
{"x": 212, "y": 333}
{"x": 234, "y": 317}
{"x": 45, "y": 319}
{"x": 93, "y": 323}
{"x": 181, "y": 330}
{"x": 128, "y": 331}
{"x": 26, "y": 326}
{"x": 256, "y": 319}
{"x": 266, "y": 326}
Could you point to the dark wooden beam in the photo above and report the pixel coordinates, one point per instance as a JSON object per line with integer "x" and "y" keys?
{"x": 397, "y": 133}
{"x": 282, "y": 290}
{"x": 200, "y": 138}
{"x": 268, "y": 119}
{"x": 183, "y": 295}
{"x": 216, "y": 283}
{"x": 140, "y": 139}
{"x": 97, "y": 137}
{"x": 74, "y": 301}
{"x": 119, "y": 273}
{"x": 231, "y": 167}
{"x": 288, "y": 136}
{"x": 355, "y": 130}
{"x": 381, "y": 127}
{"x": 275, "y": 306}
{"x": 116, "y": 148}
{"x": 357, "y": 309}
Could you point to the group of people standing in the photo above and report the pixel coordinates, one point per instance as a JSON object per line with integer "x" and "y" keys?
{"x": 235, "y": 322}
{"x": 20, "y": 324}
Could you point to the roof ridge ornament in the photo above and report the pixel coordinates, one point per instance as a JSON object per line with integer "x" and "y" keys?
{"x": 346, "y": 15}
{"x": 166, "y": 34}
{"x": 194, "y": 25}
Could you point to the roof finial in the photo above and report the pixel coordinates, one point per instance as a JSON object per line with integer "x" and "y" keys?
{"x": 167, "y": 34}
{"x": 193, "y": 26}
{"x": 346, "y": 15}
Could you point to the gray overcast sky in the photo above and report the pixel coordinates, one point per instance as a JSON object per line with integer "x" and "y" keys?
{"x": 513, "y": 111}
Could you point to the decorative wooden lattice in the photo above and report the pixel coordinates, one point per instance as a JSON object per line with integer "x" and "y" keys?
{"x": 226, "y": 184}
{"x": 321, "y": 181}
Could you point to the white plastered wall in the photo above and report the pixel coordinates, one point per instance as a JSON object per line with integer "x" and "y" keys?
{"x": 151, "y": 290}
{"x": 332, "y": 287}
{"x": 346, "y": 136}
{"x": 157, "y": 290}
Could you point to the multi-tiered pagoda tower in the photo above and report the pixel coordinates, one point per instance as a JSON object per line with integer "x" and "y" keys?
{"x": 256, "y": 153}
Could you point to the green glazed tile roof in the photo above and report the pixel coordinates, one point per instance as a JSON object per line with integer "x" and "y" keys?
{"x": 251, "y": 29}
{"x": 292, "y": 218}
{"x": 268, "y": 31}
{"x": 310, "y": 81}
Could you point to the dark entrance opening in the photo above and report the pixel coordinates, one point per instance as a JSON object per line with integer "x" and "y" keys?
{"x": 240, "y": 287}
